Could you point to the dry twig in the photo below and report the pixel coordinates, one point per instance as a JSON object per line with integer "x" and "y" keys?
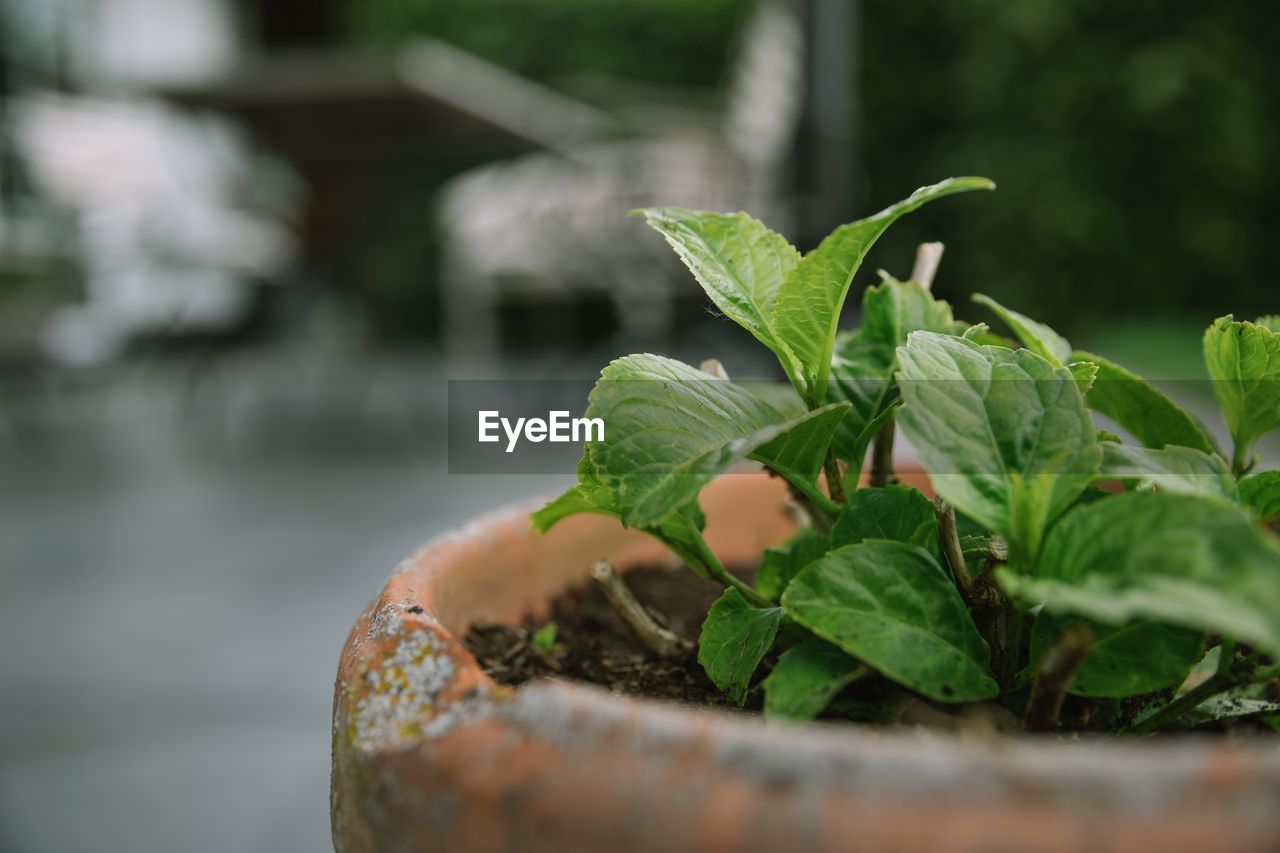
{"x": 661, "y": 641}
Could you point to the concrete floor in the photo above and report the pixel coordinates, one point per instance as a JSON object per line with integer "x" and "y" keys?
{"x": 183, "y": 548}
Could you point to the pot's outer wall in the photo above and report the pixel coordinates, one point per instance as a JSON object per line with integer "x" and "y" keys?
{"x": 429, "y": 754}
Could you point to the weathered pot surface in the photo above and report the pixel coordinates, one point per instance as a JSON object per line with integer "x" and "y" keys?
{"x": 430, "y": 754}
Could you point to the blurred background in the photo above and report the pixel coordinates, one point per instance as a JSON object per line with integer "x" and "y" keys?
{"x": 245, "y": 243}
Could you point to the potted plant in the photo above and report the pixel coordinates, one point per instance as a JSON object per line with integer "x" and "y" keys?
{"x": 1007, "y": 591}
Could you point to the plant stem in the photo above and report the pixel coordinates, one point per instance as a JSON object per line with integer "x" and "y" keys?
{"x": 718, "y": 572}
{"x": 835, "y": 479}
{"x": 815, "y": 496}
{"x": 661, "y": 641}
{"x": 949, "y": 543}
{"x": 1226, "y": 657}
{"x": 997, "y": 620}
{"x": 1240, "y": 461}
{"x": 1175, "y": 709}
{"x": 1053, "y": 676}
{"x": 882, "y": 457}
{"x": 1222, "y": 680}
{"x": 928, "y": 256}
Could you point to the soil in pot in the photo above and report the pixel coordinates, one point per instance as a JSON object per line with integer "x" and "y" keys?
{"x": 593, "y": 644}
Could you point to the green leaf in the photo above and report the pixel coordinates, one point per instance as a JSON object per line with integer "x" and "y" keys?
{"x": 807, "y": 309}
{"x": 780, "y": 565}
{"x": 807, "y": 678}
{"x": 893, "y": 607}
{"x": 1145, "y": 411}
{"x": 1270, "y": 321}
{"x": 1126, "y": 660}
{"x": 1004, "y": 435}
{"x": 798, "y": 453}
{"x": 572, "y": 502}
{"x": 735, "y": 637}
{"x": 980, "y": 333}
{"x": 1186, "y": 560}
{"x": 863, "y": 376}
{"x": 1085, "y": 373}
{"x": 544, "y": 641}
{"x": 1261, "y": 493}
{"x": 897, "y": 513}
{"x": 590, "y": 496}
{"x": 893, "y": 309}
{"x": 669, "y": 429}
{"x": 1173, "y": 469}
{"x": 1035, "y": 336}
{"x": 1244, "y": 364}
{"x": 739, "y": 262}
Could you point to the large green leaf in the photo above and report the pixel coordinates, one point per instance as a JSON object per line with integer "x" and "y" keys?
{"x": 893, "y": 607}
{"x": 798, "y": 453}
{"x": 734, "y": 638}
{"x": 782, "y": 564}
{"x": 1244, "y": 363}
{"x": 1261, "y": 493}
{"x": 739, "y": 262}
{"x": 894, "y": 512}
{"x": 1141, "y": 408}
{"x": 1186, "y": 560}
{"x": 807, "y": 678}
{"x": 1173, "y": 469}
{"x": 807, "y": 309}
{"x": 1004, "y": 435}
{"x": 1125, "y": 660}
{"x": 669, "y": 429}
{"x": 1035, "y": 336}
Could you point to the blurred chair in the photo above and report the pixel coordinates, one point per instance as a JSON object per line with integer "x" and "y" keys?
{"x": 177, "y": 217}
{"x": 554, "y": 225}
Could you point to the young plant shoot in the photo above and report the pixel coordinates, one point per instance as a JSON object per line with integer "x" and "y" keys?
{"x": 1056, "y": 589}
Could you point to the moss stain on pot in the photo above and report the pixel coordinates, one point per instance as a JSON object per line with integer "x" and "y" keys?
{"x": 396, "y": 700}
{"x": 400, "y": 693}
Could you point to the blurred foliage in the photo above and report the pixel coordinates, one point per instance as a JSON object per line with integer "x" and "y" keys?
{"x": 667, "y": 42}
{"x": 1134, "y": 144}
{"x": 674, "y": 42}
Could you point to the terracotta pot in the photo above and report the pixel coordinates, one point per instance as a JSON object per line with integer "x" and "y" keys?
{"x": 429, "y": 754}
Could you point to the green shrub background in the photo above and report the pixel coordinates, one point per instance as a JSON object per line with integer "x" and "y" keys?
{"x": 1136, "y": 145}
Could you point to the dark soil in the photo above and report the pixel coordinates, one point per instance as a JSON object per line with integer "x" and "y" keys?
{"x": 593, "y": 644}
